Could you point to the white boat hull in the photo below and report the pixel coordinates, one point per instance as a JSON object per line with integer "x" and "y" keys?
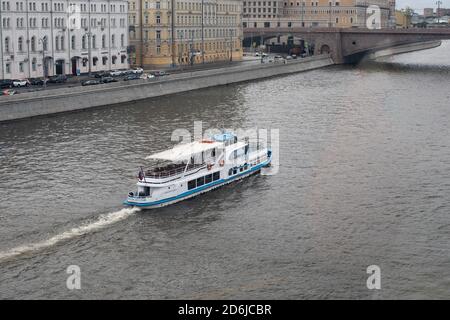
{"x": 165, "y": 202}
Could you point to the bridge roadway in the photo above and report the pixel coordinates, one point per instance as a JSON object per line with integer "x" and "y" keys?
{"x": 348, "y": 45}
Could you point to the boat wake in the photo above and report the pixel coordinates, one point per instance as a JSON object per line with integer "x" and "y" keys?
{"x": 103, "y": 221}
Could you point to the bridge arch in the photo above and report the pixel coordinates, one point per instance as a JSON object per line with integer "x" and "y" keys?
{"x": 325, "y": 49}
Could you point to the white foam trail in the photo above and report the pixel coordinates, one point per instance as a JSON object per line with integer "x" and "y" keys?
{"x": 103, "y": 221}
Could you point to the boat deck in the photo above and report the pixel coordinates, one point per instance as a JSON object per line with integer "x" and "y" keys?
{"x": 170, "y": 170}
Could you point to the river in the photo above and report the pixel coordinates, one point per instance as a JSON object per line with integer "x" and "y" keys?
{"x": 364, "y": 180}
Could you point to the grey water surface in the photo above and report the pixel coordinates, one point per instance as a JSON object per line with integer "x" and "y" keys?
{"x": 364, "y": 180}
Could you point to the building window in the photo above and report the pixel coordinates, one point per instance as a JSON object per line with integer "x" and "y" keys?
{"x": 73, "y": 43}
{"x": 20, "y": 44}
{"x": 33, "y": 64}
{"x": 33, "y": 44}
{"x": 104, "y": 60}
{"x": 114, "y": 59}
{"x": 44, "y": 43}
{"x": 8, "y": 68}
{"x": 83, "y": 42}
{"x": 21, "y": 67}
{"x": 103, "y": 41}
{"x": 122, "y": 40}
{"x": 7, "y": 44}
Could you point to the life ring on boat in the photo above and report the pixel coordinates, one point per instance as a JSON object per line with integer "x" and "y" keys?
{"x": 222, "y": 163}
{"x": 209, "y": 166}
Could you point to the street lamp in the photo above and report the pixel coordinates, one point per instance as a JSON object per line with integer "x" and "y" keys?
{"x": 438, "y": 10}
{"x": 231, "y": 45}
{"x": 180, "y": 50}
{"x": 44, "y": 65}
{"x": 203, "y": 36}
{"x": 89, "y": 35}
{"x": 329, "y": 20}
{"x": 303, "y": 9}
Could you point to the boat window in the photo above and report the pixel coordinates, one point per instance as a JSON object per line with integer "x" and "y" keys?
{"x": 234, "y": 170}
{"x": 192, "y": 184}
{"x": 200, "y": 181}
{"x": 143, "y": 191}
{"x": 230, "y": 172}
{"x": 216, "y": 175}
{"x": 208, "y": 178}
{"x": 241, "y": 169}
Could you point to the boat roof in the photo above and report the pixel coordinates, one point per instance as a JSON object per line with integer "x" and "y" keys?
{"x": 223, "y": 137}
{"x": 185, "y": 151}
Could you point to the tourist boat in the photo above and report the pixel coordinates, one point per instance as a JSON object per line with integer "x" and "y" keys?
{"x": 194, "y": 168}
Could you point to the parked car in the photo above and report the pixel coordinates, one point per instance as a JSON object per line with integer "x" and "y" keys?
{"x": 289, "y": 58}
{"x": 102, "y": 74}
{"x": 132, "y": 77}
{"x": 8, "y": 92}
{"x": 159, "y": 73}
{"x": 58, "y": 79}
{"x": 90, "y": 82}
{"x": 137, "y": 70}
{"x": 38, "y": 81}
{"x": 21, "y": 83}
{"x": 116, "y": 73}
{"x": 6, "y": 84}
{"x": 107, "y": 80}
{"x": 294, "y": 56}
{"x": 146, "y": 76}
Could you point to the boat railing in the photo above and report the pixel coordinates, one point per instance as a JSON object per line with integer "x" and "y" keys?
{"x": 169, "y": 172}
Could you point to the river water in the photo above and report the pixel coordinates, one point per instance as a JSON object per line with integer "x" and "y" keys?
{"x": 364, "y": 180}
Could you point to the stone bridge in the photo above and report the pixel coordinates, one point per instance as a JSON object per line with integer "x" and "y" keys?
{"x": 351, "y": 45}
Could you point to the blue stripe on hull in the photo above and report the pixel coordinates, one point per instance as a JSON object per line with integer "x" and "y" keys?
{"x": 198, "y": 190}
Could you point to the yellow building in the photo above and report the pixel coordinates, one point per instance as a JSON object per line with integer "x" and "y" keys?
{"x": 403, "y": 19}
{"x": 160, "y": 36}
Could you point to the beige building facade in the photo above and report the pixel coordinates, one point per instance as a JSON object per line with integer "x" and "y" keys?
{"x": 184, "y": 32}
{"x": 316, "y": 13}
